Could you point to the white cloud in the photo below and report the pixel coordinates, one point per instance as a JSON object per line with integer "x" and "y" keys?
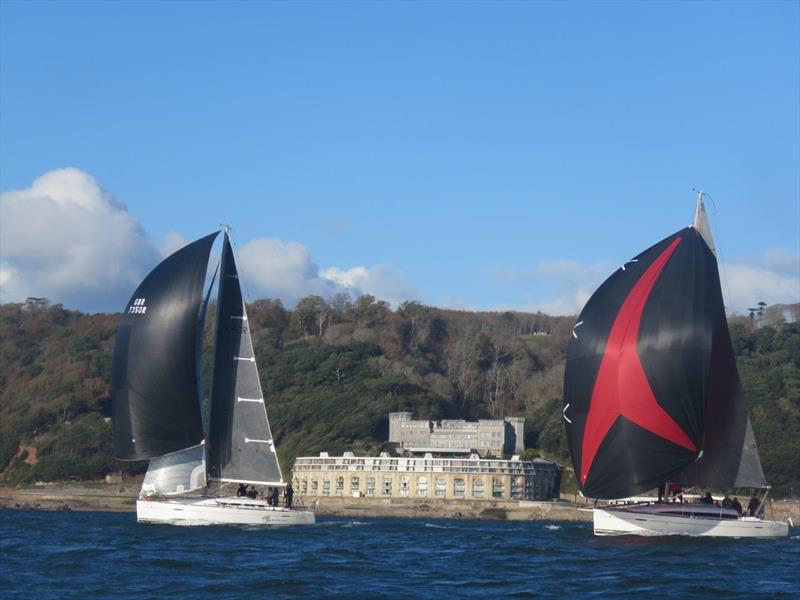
{"x": 68, "y": 239}
{"x": 382, "y": 281}
{"x": 555, "y": 287}
{"x": 275, "y": 268}
{"x": 780, "y": 261}
{"x": 743, "y": 285}
{"x": 172, "y": 243}
{"x": 562, "y": 287}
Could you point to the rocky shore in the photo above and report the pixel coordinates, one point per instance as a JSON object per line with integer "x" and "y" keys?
{"x": 106, "y": 497}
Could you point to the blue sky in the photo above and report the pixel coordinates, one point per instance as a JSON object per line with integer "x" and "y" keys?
{"x": 475, "y": 155}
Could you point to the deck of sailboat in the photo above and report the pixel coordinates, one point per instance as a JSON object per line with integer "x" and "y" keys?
{"x": 655, "y": 519}
{"x": 206, "y": 510}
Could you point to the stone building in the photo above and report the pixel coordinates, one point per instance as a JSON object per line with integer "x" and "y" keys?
{"x": 468, "y": 477}
{"x": 486, "y": 436}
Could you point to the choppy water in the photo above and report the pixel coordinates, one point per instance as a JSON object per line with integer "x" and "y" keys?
{"x": 98, "y": 555}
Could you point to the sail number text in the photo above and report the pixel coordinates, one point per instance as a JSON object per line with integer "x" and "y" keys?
{"x": 138, "y": 307}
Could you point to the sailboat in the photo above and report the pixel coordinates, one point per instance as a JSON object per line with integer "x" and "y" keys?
{"x": 652, "y": 395}
{"x": 157, "y": 398}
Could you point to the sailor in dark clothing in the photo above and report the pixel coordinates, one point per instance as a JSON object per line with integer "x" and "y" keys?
{"x": 287, "y": 495}
{"x": 273, "y": 497}
{"x": 752, "y": 506}
{"x": 726, "y": 502}
{"x": 707, "y": 499}
{"x": 736, "y": 505}
{"x": 242, "y": 491}
{"x": 252, "y": 493}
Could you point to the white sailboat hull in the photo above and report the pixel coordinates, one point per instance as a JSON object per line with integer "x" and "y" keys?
{"x": 219, "y": 511}
{"x": 678, "y": 519}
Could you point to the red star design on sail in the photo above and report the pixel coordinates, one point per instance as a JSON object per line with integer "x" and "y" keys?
{"x": 621, "y": 388}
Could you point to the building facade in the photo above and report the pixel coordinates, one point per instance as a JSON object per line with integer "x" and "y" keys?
{"x": 461, "y": 478}
{"x": 486, "y": 436}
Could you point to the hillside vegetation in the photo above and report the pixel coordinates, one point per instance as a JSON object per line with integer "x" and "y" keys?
{"x": 333, "y": 370}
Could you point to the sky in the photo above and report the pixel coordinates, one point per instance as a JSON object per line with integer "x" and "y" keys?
{"x": 485, "y": 156}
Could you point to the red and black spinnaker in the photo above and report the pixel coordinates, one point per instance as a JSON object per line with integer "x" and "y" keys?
{"x": 651, "y": 390}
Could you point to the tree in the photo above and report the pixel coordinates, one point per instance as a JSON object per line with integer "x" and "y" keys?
{"x": 310, "y": 317}
{"x": 369, "y": 312}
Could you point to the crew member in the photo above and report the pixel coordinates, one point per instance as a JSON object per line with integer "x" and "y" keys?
{"x": 752, "y": 506}
{"x": 736, "y": 505}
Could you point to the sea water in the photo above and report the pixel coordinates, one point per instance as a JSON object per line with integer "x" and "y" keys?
{"x": 108, "y": 555}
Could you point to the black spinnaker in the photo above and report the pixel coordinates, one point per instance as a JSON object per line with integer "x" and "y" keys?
{"x": 155, "y": 400}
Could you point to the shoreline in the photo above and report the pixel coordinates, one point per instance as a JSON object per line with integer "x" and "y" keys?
{"x": 121, "y": 497}
{"x": 88, "y": 497}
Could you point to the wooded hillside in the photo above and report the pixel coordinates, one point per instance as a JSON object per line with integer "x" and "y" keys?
{"x": 333, "y": 370}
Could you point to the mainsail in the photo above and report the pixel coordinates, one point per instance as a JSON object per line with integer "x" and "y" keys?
{"x": 240, "y": 444}
{"x": 154, "y": 367}
{"x": 651, "y": 390}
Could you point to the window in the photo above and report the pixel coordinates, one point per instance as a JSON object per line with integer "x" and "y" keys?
{"x": 303, "y": 486}
{"x": 314, "y": 487}
{"x": 404, "y": 486}
{"x": 441, "y": 487}
{"x": 370, "y": 486}
{"x": 422, "y": 487}
{"x": 326, "y": 486}
{"x": 340, "y": 486}
{"x": 458, "y": 487}
{"x": 497, "y": 488}
{"x": 354, "y": 484}
{"x": 517, "y": 487}
{"x": 477, "y": 488}
{"x": 387, "y": 486}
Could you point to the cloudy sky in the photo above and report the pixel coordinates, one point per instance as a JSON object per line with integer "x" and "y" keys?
{"x": 482, "y": 156}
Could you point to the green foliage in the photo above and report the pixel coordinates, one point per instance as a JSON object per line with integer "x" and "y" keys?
{"x": 769, "y": 367}
{"x": 333, "y": 369}
{"x": 546, "y": 430}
